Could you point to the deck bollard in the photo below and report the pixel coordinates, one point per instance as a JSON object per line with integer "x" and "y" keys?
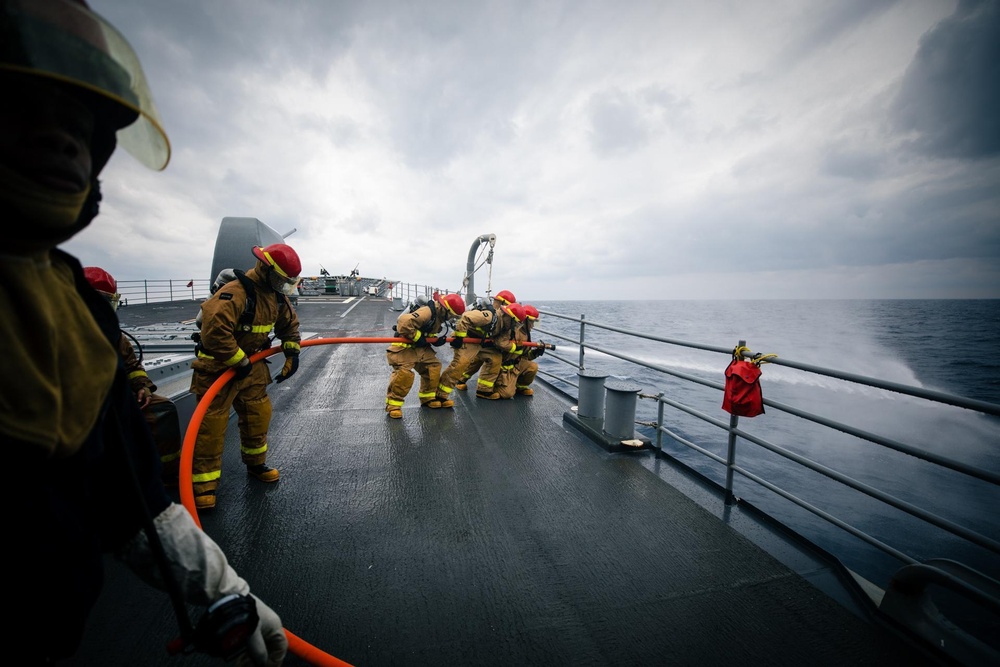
{"x": 591, "y": 402}
{"x": 619, "y": 411}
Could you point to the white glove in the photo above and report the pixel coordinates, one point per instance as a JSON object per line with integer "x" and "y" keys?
{"x": 268, "y": 644}
{"x": 204, "y": 575}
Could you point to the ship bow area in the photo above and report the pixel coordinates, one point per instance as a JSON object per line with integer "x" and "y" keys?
{"x": 487, "y": 534}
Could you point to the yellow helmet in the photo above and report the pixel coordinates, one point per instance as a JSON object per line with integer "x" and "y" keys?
{"x": 64, "y": 41}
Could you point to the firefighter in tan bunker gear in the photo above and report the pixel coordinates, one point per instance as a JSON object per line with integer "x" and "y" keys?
{"x": 227, "y": 343}
{"x": 503, "y": 343}
{"x": 476, "y": 324}
{"x": 416, "y": 354}
{"x": 159, "y": 411}
{"x": 520, "y": 367}
{"x": 503, "y": 298}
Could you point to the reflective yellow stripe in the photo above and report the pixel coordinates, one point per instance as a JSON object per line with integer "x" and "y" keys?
{"x": 236, "y": 358}
{"x": 262, "y": 328}
{"x": 401, "y": 345}
{"x": 258, "y": 450}
{"x": 461, "y": 334}
{"x": 394, "y": 403}
{"x": 137, "y": 374}
{"x": 426, "y": 394}
{"x": 291, "y": 345}
{"x": 444, "y": 390}
{"x": 206, "y": 476}
{"x": 170, "y": 457}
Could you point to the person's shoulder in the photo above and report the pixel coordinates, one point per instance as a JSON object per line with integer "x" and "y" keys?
{"x": 230, "y": 291}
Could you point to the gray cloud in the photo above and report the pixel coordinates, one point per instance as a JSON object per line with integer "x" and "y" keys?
{"x": 950, "y": 95}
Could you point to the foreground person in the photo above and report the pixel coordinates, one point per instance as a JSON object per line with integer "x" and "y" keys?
{"x": 87, "y": 473}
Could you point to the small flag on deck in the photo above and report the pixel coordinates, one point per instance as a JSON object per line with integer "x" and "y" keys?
{"x": 190, "y": 283}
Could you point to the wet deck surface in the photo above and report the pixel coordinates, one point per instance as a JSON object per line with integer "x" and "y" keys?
{"x": 489, "y": 534}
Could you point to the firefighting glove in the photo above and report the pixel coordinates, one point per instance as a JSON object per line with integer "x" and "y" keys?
{"x": 420, "y": 340}
{"x": 441, "y": 340}
{"x": 243, "y": 368}
{"x": 204, "y": 576}
{"x": 540, "y": 350}
{"x": 457, "y": 341}
{"x": 288, "y": 370}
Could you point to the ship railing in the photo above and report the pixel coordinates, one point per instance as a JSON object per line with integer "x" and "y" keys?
{"x": 402, "y": 294}
{"x": 661, "y": 427}
{"x": 157, "y": 291}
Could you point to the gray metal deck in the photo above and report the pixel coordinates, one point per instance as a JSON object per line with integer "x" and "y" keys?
{"x": 490, "y": 534}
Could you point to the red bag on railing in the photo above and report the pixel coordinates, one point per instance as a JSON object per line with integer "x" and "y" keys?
{"x": 743, "y": 396}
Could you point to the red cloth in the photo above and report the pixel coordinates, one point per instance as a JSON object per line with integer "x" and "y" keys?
{"x": 190, "y": 283}
{"x": 743, "y": 396}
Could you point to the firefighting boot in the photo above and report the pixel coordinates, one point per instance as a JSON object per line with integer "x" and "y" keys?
{"x": 461, "y": 386}
{"x": 205, "y": 500}
{"x": 527, "y": 391}
{"x": 263, "y": 472}
{"x": 433, "y": 404}
{"x": 491, "y": 396}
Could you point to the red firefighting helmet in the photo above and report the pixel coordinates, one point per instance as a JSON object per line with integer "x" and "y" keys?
{"x": 504, "y": 297}
{"x": 100, "y": 280}
{"x": 515, "y": 310}
{"x": 64, "y": 41}
{"x": 103, "y": 282}
{"x": 453, "y": 302}
{"x": 281, "y": 257}
{"x": 530, "y": 312}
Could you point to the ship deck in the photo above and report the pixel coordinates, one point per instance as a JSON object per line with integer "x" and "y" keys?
{"x": 493, "y": 533}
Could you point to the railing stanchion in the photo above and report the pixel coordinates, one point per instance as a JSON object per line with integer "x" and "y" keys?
{"x": 659, "y": 422}
{"x": 583, "y": 328}
{"x": 731, "y": 452}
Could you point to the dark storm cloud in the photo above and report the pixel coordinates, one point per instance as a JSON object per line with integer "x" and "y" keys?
{"x": 951, "y": 92}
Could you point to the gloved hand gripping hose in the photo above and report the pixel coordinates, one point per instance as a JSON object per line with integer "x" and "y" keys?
{"x": 288, "y": 370}
{"x": 243, "y": 368}
{"x": 172, "y": 553}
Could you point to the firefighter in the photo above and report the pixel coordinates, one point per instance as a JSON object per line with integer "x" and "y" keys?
{"x": 230, "y": 334}
{"x": 520, "y": 368}
{"x": 498, "y": 353}
{"x": 475, "y": 323}
{"x": 416, "y": 353}
{"x": 87, "y": 479}
{"x": 159, "y": 411}
{"x": 503, "y": 298}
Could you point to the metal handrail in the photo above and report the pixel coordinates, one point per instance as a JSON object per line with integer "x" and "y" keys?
{"x": 732, "y": 427}
{"x": 157, "y": 291}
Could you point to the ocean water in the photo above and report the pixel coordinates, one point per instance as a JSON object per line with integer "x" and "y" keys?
{"x": 944, "y": 345}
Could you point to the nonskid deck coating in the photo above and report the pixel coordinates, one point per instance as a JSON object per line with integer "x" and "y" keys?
{"x": 490, "y": 534}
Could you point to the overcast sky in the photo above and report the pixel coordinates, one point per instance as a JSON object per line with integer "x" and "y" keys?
{"x": 636, "y": 149}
